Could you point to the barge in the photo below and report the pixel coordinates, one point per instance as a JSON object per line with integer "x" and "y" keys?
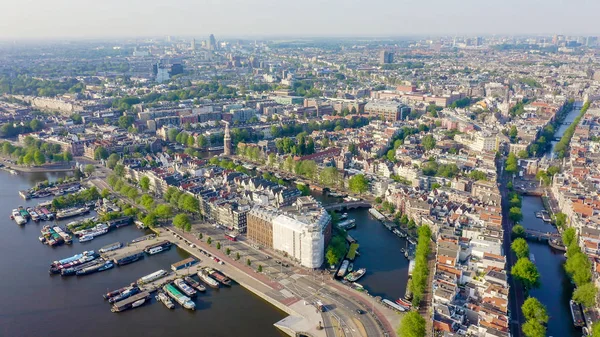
{"x": 185, "y": 301}
{"x": 111, "y": 247}
{"x": 130, "y": 291}
{"x": 130, "y": 258}
{"x": 195, "y": 284}
{"x": 218, "y": 276}
{"x": 208, "y": 280}
{"x": 152, "y": 277}
{"x": 157, "y": 248}
{"x": 71, "y": 212}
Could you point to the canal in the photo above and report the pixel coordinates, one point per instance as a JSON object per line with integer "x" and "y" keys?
{"x": 39, "y": 304}
{"x": 387, "y": 268}
{"x": 564, "y": 126}
{"x": 556, "y": 288}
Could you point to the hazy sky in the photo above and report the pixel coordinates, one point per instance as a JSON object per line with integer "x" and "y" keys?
{"x": 112, "y": 18}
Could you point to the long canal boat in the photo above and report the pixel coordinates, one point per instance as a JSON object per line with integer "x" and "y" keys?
{"x": 576, "y": 314}
{"x": 130, "y": 258}
{"x": 71, "y": 212}
{"x": 195, "y": 284}
{"x": 189, "y": 291}
{"x": 208, "y": 280}
{"x": 217, "y": 275}
{"x": 152, "y": 277}
{"x": 130, "y": 291}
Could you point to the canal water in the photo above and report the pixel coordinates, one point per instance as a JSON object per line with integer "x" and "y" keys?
{"x": 563, "y": 127}
{"x": 35, "y": 303}
{"x": 556, "y": 288}
{"x": 387, "y": 268}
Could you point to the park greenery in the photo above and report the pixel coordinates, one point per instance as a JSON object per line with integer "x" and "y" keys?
{"x": 337, "y": 246}
{"x": 478, "y": 175}
{"x": 76, "y": 199}
{"x": 433, "y": 168}
{"x": 545, "y": 176}
{"x": 358, "y": 184}
{"x": 412, "y": 324}
{"x": 418, "y": 281}
{"x": 182, "y": 221}
{"x": 11, "y": 130}
{"x": 35, "y": 152}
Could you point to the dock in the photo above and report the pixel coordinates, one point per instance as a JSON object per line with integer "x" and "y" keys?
{"x": 170, "y": 277}
{"x": 131, "y": 248}
{"x": 128, "y": 302}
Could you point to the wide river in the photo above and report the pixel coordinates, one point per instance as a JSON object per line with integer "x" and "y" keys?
{"x": 35, "y": 303}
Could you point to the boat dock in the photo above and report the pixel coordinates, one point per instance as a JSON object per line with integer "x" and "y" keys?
{"x": 128, "y": 302}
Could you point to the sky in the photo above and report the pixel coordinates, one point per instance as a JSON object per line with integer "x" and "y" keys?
{"x": 35, "y": 19}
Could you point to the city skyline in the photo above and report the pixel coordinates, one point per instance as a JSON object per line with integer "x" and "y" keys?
{"x": 109, "y": 19}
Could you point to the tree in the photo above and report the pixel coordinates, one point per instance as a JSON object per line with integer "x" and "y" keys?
{"x": 227, "y": 251}
{"x": 181, "y": 220}
{"x": 534, "y": 310}
{"x": 172, "y": 134}
{"x": 303, "y": 188}
{"x": 428, "y": 142}
{"x": 201, "y": 141}
{"x": 358, "y": 184}
{"x": 237, "y": 255}
{"x": 163, "y": 211}
{"x": 145, "y": 183}
{"x": 39, "y": 158}
{"x": 513, "y": 133}
{"x": 520, "y": 247}
{"x": 578, "y": 266}
{"x": 523, "y": 154}
{"x": 100, "y": 153}
{"x": 150, "y": 220}
{"x": 533, "y": 328}
{"x": 518, "y": 231}
{"x": 478, "y": 175}
{"x": 512, "y": 164}
{"x": 586, "y": 294}
{"x": 119, "y": 170}
{"x": 248, "y": 262}
{"x": 89, "y": 169}
{"x": 105, "y": 193}
{"x": 412, "y": 325}
{"x": 260, "y": 268}
{"x": 514, "y": 213}
{"x": 526, "y": 272}
{"x": 209, "y": 240}
{"x": 329, "y": 176}
{"x": 147, "y": 201}
{"x": 112, "y": 160}
{"x": 560, "y": 219}
{"x": 391, "y": 155}
{"x": 569, "y": 236}
{"x": 218, "y": 245}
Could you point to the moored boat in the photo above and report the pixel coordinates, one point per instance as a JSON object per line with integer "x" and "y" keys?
{"x": 195, "y": 284}
{"x": 576, "y": 314}
{"x": 111, "y": 247}
{"x": 152, "y": 277}
{"x": 114, "y": 293}
{"x": 189, "y": 291}
{"x": 354, "y": 276}
{"x": 130, "y": 291}
{"x": 208, "y": 280}
{"x": 180, "y": 298}
{"x": 343, "y": 268}
{"x": 218, "y": 276}
{"x": 162, "y": 297}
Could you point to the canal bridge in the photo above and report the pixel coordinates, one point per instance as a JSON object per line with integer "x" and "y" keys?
{"x": 534, "y": 235}
{"x": 348, "y": 205}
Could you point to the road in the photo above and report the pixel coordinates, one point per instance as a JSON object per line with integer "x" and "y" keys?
{"x": 516, "y": 290}
{"x": 308, "y": 286}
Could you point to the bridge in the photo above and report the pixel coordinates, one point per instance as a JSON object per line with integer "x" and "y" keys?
{"x": 532, "y": 234}
{"x": 348, "y": 205}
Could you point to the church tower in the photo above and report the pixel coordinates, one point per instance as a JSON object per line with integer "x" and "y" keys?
{"x": 227, "y": 141}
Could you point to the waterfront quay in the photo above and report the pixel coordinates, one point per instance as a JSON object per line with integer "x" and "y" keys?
{"x": 296, "y": 294}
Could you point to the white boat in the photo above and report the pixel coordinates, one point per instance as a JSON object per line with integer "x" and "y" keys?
{"x": 354, "y": 276}
{"x": 393, "y": 305}
{"x": 343, "y": 268}
{"x": 138, "y": 303}
{"x": 34, "y": 215}
{"x": 20, "y": 220}
{"x": 162, "y": 297}
{"x": 208, "y": 280}
{"x": 189, "y": 291}
{"x": 85, "y": 238}
{"x": 15, "y": 212}
{"x": 152, "y": 277}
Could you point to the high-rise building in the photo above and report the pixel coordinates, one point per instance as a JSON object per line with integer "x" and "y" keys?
{"x": 386, "y": 57}
{"x": 193, "y": 46}
{"x": 227, "y": 141}
{"x": 211, "y": 44}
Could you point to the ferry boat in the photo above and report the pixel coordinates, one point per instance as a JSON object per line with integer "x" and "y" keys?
{"x": 185, "y": 301}
{"x": 576, "y": 314}
{"x": 343, "y": 268}
{"x": 161, "y": 297}
{"x": 111, "y": 247}
{"x": 152, "y": 277}
{"x": 218, "y": 276}
{"x": 130, "y": 291}
{"x": 208, "y": 280}
{"x": 195, "y": 284}
{"x": 189, "y": 291}
{"x": 354, "y": 276}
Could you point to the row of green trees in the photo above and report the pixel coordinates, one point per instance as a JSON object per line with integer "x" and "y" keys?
{"x": 562, "y": 146}
{"x": 10, "y": 130}
{"x": 75, "y": 199}
{"x": 418, "y": 282}
{"x": 579, "y": 268}
{"x": 35, "y": 152}
{"x": 336, "y": 249}
{"x": 303, "y": 145}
